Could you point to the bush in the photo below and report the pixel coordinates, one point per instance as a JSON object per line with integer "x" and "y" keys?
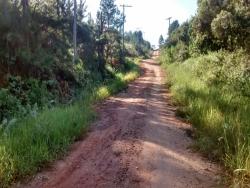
{"x": 9, "y": 105}
{"x": 27, "y": 144}
{"x": 166, "y": 55}
{"x": 23, "y": 97}
{"x": 230, "y": 71}
{"x": 178, "y": 53}
{"x": 213, "y": 92}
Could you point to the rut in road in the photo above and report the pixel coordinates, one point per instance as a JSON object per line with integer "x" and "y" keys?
{"x": 136, "y": 142}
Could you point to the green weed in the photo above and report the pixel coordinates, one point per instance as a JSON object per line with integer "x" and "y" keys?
{"x": 28, "y": 144}
{"x": 213, "y": 92}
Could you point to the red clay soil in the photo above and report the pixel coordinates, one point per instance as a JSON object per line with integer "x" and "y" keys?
{"x": 136, "y": 142}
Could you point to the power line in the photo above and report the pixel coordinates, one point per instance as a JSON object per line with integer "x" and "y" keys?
{"x": 123, "y": 27}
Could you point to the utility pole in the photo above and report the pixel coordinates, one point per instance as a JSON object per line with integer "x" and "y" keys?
{"x": 123, "y": 28}
{"x": 169, "y": 21}
{"x": 74, "y": 32}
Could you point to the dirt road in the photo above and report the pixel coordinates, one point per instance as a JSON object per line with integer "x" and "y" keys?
{"x": 136, "y": 142}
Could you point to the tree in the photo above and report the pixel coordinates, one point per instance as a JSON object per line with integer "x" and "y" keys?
{"x": 75, "y": 31}
{"x": 109, "y": 20}
{"x": 137, "y": 37}
{"x": 221, "y": 24}
{"x": 25, "y": 7}
{"x": 81, "y": 11}
{"x": 178, "y": 42}
{"x": 202, "y": 33}
{"x": 100, "y": 41}
{"x": 223, "y": 28}
{"x": 136, "y": 45}
{"x": 161, "y": 41}
{"x": 109, "y": 12}
{"x": 173, "y": 26}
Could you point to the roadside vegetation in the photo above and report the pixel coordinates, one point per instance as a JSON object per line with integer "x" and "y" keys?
{"x": 46, "y": 99}
{"x": 208, "y": 68}
{"x": 28, "y": 144}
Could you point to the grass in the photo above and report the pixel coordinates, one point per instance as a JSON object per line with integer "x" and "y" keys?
{"x": 29, "y": 144}
{"x": 211, "y": 92}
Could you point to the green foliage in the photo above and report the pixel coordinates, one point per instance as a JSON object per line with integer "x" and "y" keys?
{"x": 213, "y": 93}
{"x": 173, "y": 26}
{"x": 113, "y": 50}
{"x": 26, "y": 145}
{"x": 42, "y": 46}
{"x": 29, "y": 91}
{"x": 223, "y": 27}
{"x": 161, "y": 41}
{"x": 110, "y": 13}
{"x": 23, "y": 97}
{"x": 45, "y": 99}
{"x": 179, "y": 53}
{"x": 166, "y": 55}
{"x": 9, "y": 105}
{"x": 178, "y": 42}
{"x": 213, "y": 90}
{"x": 136, "y": 45}
{"x": 36, "y": 52}
{"x": 221, "y": 24}
{"x": 217, "y": 25}
{"x": 109, "y": 48}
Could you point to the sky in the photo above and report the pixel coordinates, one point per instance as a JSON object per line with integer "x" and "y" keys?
{"x": 149, "y": 16}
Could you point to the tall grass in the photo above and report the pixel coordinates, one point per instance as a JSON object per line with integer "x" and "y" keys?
{"x": 213, "y": 93}
{"x": 30, "y": 143}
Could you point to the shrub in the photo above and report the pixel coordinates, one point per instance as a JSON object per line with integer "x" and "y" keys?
{"x": 9, "y": 105}
{"x": 213, "y": 92}
{"x": 27, "y": 144}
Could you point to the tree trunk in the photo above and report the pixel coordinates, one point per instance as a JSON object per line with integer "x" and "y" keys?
{"x": 58, "y": 9}
{"x": 25, "y": 6}
{"x": 74, "y": 31}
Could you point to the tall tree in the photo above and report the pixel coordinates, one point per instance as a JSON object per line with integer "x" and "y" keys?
{"x": 100, "y": 42}
{"x": 75, "y": 30}
{"x": 109, "y": 12}
{"x": 161, "y": 41}
{"x": 109, "y": 19}
{"x": 173, "y": 26}
{"x": 26, "y": 17}
{"x": 25, "y": 6}
{"x": 81, "y": 10}
{"x": 221, "y": 24}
